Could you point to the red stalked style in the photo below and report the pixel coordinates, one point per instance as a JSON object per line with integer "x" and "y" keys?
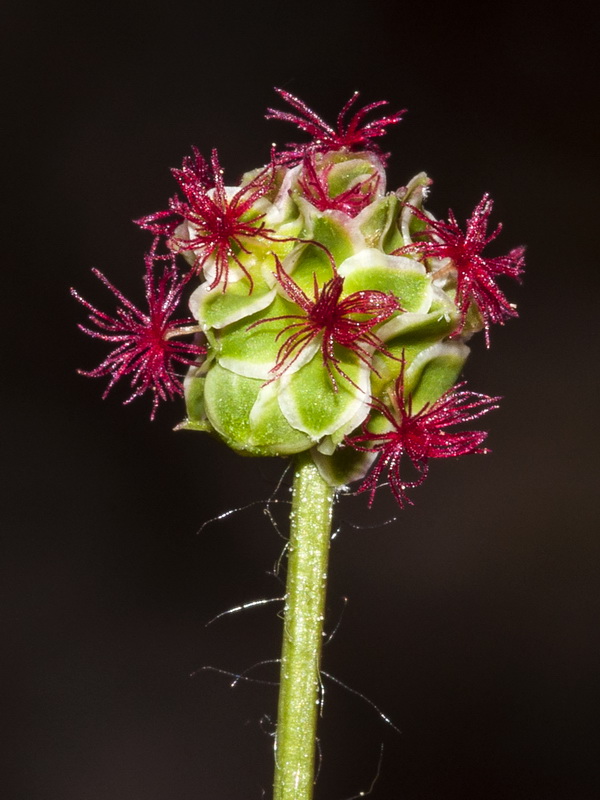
{"x": 144, "y": 349}
{"x": 330, "y": 315}
{"x": 349, "y": 134}
{"x": 476, "y": 274}
{"x": 420, "y": 436}
{"x": 313, "y": 183}
{"x": 218, "y": 228}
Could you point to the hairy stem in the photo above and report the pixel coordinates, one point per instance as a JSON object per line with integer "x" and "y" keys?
{"x": 308, "y": 553}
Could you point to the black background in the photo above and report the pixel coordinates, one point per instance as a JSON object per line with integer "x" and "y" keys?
{"x": 472, "y": 620}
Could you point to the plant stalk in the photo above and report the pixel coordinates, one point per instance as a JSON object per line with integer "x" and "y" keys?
{"x": 310, "y": 530}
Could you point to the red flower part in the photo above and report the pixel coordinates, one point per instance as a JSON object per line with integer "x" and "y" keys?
{"x": 349, "y": 134}
{"x": 314, "y": 185}
{"x": 217, "y": 229}
{"x": 144, "y": 348}
{"x": 335, "y": 319}
{"x": 420, "y": 436}
{"x": 195, "y": 174}
{"x": 195, "y": 179}
{"x": 476, "y": 274}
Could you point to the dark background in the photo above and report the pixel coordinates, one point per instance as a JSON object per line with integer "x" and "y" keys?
{"x": 472, "y": 620}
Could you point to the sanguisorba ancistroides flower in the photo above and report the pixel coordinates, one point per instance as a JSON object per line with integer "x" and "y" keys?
{"x": 330, "y": 314}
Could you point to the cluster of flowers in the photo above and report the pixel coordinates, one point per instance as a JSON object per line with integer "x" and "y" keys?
{"x": 331, "y": 315}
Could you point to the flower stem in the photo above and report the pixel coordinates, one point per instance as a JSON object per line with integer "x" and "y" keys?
{"x": 308, "y": 553}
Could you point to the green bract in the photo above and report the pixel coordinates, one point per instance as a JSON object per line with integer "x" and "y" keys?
{"x": 270, "y": 385}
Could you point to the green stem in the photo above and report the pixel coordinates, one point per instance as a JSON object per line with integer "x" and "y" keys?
{"x": 310, "y": 529}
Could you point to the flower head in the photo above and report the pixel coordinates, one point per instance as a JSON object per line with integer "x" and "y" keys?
{"x": 348, "y": 322}
{"x": 475, "y": 274}
{"x": 326, "y": 354}
{"x": 314, "y": 184}
{"x": 144, "y": 348}
{"x": 219, "y": 223}
{"x": 420, "y": 436}
{"x": 349, "y": 134}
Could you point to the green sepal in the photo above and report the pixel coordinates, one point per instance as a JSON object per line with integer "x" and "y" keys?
{"x": 344, "y": 466}
{"x": 270, "y": 429}
{"x": 252, "y": 351}
{"x": 309, "y": 402}
{"x": 247, "y": 421}
{"x": 439, "y": 320}
{"x": 406, "y": 335}
{"x": 378, "y": 223}
{"x": 228, "y": 400}
{"x": 433, "y": 372}
{"x": 196, "y": 419}
{"x": 328, "y": 229}
{"x": 214, "y": 308}
{"x": 308, "y": 263}
{"x": 403, "y": 277}
{"x": 413, "y": 195}
{"x": 346, "y": 173}
{"x": 392, "y": 238}
{"x": 188, "y": 424}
